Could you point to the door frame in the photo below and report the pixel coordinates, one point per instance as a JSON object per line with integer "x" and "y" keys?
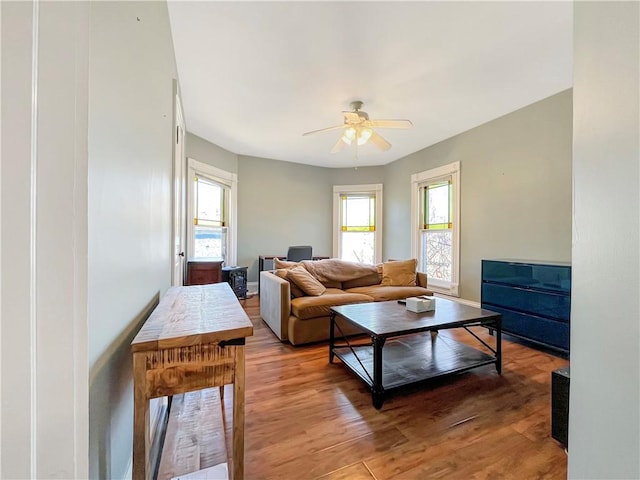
{"x": 178, "y": 230}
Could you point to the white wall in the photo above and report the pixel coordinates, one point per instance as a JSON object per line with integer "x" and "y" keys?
{"x": 130, "y": 174}
{"x": 44, "y": 271}
{"x": 604, "y": 420}
{"x": 86, "y": 226}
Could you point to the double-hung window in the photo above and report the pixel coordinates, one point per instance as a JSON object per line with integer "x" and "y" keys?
{"x": 358, "y": 223}
{"x": 212, "y": 206}
{"x": 210, "y": 219}
{"x": 435, "y": 236}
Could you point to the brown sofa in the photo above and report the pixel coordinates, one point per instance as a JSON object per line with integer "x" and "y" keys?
{"x": 303, "y": 318}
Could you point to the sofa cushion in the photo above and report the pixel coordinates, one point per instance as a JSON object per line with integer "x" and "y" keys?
{"x": 307, "y": 282}
{"x": 399, "y": 273}
{"x": 312, "y": 307}
{"x": 383, "y": 293}
{"x": 293, "y": 288}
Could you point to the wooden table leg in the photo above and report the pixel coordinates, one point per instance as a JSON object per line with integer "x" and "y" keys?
{"x": 140, "y": 419}
{"x": 238, "y": 415}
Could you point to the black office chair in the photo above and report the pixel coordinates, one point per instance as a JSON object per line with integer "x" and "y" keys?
{"x": 299, "y": 252}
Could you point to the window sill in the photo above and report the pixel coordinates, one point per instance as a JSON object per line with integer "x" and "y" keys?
{"x": 449, "y": 290}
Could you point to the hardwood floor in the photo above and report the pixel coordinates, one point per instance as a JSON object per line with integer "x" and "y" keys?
{"x": 308, "y": 419}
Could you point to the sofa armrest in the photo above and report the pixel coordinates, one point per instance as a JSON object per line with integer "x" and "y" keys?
{"x": 421, "y": 279}
{"x": 275, "y": 303}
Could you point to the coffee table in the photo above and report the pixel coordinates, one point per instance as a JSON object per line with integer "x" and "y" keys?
{"x": 405, "y": 347}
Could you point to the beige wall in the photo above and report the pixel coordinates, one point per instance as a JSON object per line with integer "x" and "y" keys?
{"x": 515, "y": 189}
{"x": 132, "y": 67}
{"x": 604, "y": 412}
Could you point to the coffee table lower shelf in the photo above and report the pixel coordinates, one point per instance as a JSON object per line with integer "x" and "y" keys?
{"x": 412, "y": 359}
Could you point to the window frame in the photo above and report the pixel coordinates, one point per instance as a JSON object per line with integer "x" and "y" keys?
{"x": 229, "y": 181}
{"x": 418, "y": 181}
{"x": 224, "y": 203}
{"x": 368, "y": 189}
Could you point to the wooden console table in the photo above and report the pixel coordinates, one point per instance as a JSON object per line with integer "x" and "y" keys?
{"x": 194, "y": 339}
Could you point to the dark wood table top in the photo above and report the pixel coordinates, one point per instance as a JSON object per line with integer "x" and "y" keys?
{"x": 391, "y": 318}
{"x": 194, "y": 315}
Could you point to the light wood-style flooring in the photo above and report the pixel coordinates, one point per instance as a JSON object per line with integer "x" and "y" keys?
{"x": 308, "y": 419}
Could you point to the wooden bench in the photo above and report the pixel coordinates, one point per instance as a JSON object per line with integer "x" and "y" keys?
{"x": 193, "y": 340}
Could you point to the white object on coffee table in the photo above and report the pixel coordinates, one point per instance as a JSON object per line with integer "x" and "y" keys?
{"x": 421, "y": 304}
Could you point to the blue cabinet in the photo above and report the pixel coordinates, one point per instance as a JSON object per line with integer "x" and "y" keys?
{"x": 534, "y": 299}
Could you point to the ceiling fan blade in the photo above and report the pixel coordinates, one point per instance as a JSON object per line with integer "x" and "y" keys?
{"x": 379, "y": 142}
{"x": 391, "y": 123}
{"x": 338, "y": 146}
{"x": 323, "y": 130}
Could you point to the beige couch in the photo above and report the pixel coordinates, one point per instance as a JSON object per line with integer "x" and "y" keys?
{"x": 304, "y": 318}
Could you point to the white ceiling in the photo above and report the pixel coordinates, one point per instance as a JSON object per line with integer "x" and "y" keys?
{"x": 256, "y": 75}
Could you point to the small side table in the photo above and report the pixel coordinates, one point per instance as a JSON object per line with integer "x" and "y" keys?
{"x": 237, "y": 278}
{"x": 202, "y": 271}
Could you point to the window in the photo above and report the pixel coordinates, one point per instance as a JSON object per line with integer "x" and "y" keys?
{"x": 209, "y": 222}
{"x": 212, "y": 207}
{"x": 358, "y": 223}
{"x": 435, "y": 226}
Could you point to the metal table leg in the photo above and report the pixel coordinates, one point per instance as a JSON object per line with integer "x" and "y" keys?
{"x": 377, "y": 389}
{"x": 332, "y": 336}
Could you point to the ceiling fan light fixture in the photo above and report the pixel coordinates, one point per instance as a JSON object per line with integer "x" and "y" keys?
{"x": 348, "y": 135}
{"x": 364, "y": 136}
{"x": 357, "y": 126}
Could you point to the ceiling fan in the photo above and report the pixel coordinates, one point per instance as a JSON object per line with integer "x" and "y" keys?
{"x": 357, "y": 129}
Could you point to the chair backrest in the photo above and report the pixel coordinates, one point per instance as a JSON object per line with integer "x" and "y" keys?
{"x": 299, "y": 252}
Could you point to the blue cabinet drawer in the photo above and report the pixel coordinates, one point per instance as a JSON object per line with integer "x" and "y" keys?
{"x": 548, "y": 332}
{"x": 545, "y": 304}
{"x": 556, "y": 278}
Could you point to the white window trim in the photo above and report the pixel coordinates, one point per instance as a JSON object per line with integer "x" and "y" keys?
{"x": 417, "y": 180}
{"x": 375, "y": 188}
{"x": 229, "y": 180}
